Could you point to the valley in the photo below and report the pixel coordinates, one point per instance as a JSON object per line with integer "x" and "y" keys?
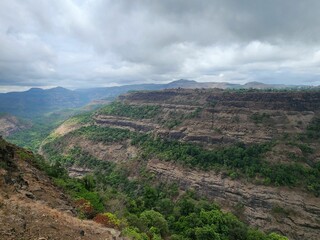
{"x": 159, "y": 120}
{"x": 253, "y": 152}
{"x": 10, "y": 124}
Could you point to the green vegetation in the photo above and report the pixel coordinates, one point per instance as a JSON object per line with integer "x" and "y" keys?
{"x": 145, "y": 111}
{"x": 313, "y": 130}
{"x": 3, "y": 114}
{"x": 32, "y": 138}
{"x": 238, "y": 161}
{"x": 145, "y": 209}
{"x": 175, "y": 118}
{"x": 172, "y": 123}
{"x": 258, "y": 118}
{"x": 196, "y": 113}
{"x": 280, "y": 211}
{"x": 132, "y": 111}
{"x": 276, "y": 90}
{"x": 104, "y": 134}
{"x": 42, "y": 127}
{"x": 83, "y": 118}
{"x": 108, "y": 219}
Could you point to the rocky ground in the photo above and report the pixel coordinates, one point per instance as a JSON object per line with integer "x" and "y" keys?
{"x": 32, "y": 207}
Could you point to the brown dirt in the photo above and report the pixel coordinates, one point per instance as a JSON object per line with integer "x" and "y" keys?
{"x": 32, "y": 207}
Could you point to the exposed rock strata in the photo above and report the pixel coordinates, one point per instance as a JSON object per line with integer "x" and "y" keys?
{"x": 224, "y": 118}
{"x": 10, "y": 124}
{"x": 293, "y": 213}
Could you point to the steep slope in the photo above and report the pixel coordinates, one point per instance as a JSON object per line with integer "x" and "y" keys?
{"x": 256, "y": 153}
{"x": 32, "y": 207}
{"x": 10, "y": 124}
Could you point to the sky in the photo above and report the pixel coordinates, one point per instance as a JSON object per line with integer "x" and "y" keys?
{"x": 98, "y": 43}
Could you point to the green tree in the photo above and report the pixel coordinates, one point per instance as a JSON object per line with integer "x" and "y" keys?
{"x": 151, "y": 218}
{"x": 206, "y": 233}
{"x": 275, "y": 236}
{"x": 89, "y": 182}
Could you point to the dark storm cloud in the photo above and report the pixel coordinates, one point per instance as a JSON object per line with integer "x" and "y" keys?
{"x": 99, "y": 43}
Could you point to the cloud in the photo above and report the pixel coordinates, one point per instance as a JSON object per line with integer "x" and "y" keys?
{"x": 86, "y": 43}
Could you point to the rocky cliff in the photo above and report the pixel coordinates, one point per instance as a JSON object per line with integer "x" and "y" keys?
{"x": 214, "y": 119}
{"x": 10, "y": 124}
{"x": 290, "y": 212}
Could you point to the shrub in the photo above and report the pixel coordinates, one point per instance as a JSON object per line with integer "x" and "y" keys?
{"x": 133, "y": 111}
{"x": 85, "y": 208}
{"x": 275, "y": 236}
{"x": 108, "y": 220}
{"x": 152, "y": 219}
{"x": 260, "y": 118}
{"x": 134, "y": 234}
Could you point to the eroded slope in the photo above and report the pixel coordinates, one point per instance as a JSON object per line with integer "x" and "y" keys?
{"x": 256, "y": 153}
{"x": 10, "y": 124}
{"x": 32, "y": 207}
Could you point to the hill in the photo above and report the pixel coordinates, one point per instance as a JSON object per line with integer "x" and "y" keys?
{"x": 36, "y": 101}
{"x": 10, "y": 124}
{"x": 255, "y": 153}
{"x": 33, "y": 207}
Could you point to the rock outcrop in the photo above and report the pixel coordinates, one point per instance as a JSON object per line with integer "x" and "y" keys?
{"x": 32, "y": 207}
{"x": 293, "y": 213}
{"x": 10, "y": 124}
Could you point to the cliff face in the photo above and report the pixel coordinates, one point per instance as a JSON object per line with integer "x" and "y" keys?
{"x": 10, "y": 124}
{"x": 290, "y": 212}
{"x": 215, "y": 119}
{"x": 32, "y": 207}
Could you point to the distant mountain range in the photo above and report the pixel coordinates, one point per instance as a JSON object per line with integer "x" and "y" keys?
{"x": 37, "y": 101}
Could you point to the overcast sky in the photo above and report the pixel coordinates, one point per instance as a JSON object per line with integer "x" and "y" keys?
{"x": 93, "y": 43}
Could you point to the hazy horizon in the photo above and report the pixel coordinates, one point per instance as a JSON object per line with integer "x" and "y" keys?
{"x": 120, "y": 85}
{"x": 95, "y": 43}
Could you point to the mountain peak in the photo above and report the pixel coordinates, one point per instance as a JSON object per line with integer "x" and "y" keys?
{"x": 182, "y": 81}
{"x": 34, "y": 89}
{"x": 59, "y": 89}
{"x": 254, "y": 83}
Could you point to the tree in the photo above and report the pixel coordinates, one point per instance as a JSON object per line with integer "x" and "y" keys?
{"x": 275, "y": 236}
{"x": 152, "y": 219}
{"x": 206, "y": 233}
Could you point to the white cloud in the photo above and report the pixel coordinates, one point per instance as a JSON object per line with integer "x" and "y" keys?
{"x": 96, "y": 42}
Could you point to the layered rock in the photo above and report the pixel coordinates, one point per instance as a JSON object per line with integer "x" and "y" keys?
{"x": 10, "y": 124}
{"x": 215, "y": 118}
{"x": 294, "y": 213}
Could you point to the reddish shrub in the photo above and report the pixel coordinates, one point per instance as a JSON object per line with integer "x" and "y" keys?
{"x": 107, "y": 219}
{"x": 85, "y": 207}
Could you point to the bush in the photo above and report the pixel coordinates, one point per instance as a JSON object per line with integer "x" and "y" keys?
{"x": 134, "y": 233}
{"x": 108, "y": 220}
{"x": 85, "y": 208}
{"x": 275, "y": 236}
{"x": 152, "y": 219}
{"x": 260, "y": 118}
{"x": 133, "y": 111}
